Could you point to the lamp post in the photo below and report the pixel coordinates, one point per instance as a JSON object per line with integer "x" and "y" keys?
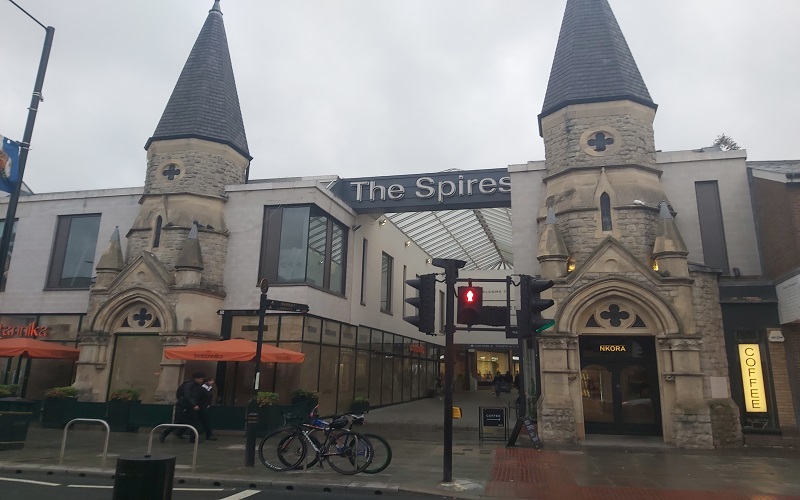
{"x": 251, "y": 424}
{"x": 11, "y": 212}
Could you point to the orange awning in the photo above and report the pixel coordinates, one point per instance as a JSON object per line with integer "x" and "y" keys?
{"x": 32, "y": 348}
{"x": 234, "y": 350}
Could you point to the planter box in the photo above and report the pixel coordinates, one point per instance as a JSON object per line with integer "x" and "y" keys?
{"x": 118, "y": 416}
{"x": 57, "y": 412}
{"x": 15, "y": 417}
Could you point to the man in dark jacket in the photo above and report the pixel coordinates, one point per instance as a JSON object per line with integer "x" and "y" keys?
{"x": 187, "y": 406}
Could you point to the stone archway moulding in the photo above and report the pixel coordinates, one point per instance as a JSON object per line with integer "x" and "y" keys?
{"x": 660, "y": 316}
{"x": 109, "y": 314}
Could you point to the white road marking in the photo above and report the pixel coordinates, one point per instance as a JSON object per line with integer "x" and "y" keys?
{"x": 29, "y": 481}
{"x": 199, "y": 489}
{"x": 89, "y": 486}
{"x": 242, "y": 494}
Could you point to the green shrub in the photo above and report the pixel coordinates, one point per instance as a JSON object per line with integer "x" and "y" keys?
{"x": 267, "y": 398}
{"x": 301, "y": 395}
{"x": 61, "y": 392}
{"x": 10, "y": 390}
{"x": 360, "y": 405}
{"x": 124, "y": 395}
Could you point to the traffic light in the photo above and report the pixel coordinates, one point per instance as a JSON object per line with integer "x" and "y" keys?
{"x": 470, "y": 303}
{"x": 425, "y": 302}
{"x": 531, "y": 305}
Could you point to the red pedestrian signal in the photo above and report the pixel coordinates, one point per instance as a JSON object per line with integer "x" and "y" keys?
{"x": 470, "y": 303}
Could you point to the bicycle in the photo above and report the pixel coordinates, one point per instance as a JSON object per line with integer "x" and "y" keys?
{"x": 346, "y": 452}
{"x": 381, "y": 451}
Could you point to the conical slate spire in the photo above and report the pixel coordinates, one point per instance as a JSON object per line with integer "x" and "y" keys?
{"x": 592, "y": 62}
{"x": 204, "y": 103}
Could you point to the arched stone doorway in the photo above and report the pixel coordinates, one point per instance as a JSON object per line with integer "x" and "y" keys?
{"x": 612, "y": 332}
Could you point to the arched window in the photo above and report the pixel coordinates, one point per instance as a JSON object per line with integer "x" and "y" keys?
{"x": 605, "y": 211}
{"x": 157, "y": 233}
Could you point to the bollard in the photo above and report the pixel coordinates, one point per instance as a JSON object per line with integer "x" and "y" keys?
{"x": 144, "y": 478}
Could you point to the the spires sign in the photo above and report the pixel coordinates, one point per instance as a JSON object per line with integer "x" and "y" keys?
{"x": 422, "y": 192}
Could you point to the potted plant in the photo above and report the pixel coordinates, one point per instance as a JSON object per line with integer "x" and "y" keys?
{"x": 303, "y": 401}
{"x": 58, "y": 407}
{"x": 270, "y": 415}
{"x": 8, "y": 391}
{"x": 359, "y": 405}
{"x": 118, "y": 410}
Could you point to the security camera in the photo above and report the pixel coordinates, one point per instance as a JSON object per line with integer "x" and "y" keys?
{"x": 639, "y": 202}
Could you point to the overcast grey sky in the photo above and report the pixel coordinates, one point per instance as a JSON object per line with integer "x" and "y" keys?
{"x": 381, "y": 87}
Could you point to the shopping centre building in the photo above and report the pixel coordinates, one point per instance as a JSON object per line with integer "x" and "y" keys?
{"x": 666, "y": 322}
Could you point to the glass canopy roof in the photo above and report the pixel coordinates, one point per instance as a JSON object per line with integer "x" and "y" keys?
{"x": 480, "y": 237}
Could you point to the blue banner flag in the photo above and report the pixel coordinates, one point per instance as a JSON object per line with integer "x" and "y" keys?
{"x": 9, "y": 164}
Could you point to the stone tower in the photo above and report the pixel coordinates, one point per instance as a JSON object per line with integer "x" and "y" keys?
{"x": 170, "y": 282}
{"x": 609, "y": 241}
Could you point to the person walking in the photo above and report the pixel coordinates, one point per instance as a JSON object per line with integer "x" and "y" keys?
{"x": 186, "y": 406}
{"x": 204, "y": 401}
{"x": 498, "y": 381}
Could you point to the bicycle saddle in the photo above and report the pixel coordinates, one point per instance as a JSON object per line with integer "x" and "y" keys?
{"x": 338, "y": 423}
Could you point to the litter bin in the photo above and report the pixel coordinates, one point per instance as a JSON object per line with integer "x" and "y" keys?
{"x": 15, "y": 417}
{"x": 144, "y": 478}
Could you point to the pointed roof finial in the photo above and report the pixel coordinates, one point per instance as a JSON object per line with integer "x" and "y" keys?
{"x": 664, "y": 212}
{"x": 551, "y": 216}
{"x": 215, "y": 8}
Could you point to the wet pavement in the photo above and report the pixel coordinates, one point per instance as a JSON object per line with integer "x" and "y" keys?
{"x": 602, "y": 467}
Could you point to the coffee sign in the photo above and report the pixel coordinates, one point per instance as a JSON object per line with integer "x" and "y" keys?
{"x": 752, "y": 378}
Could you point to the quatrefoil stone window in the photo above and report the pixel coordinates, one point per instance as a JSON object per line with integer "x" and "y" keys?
{"x": 600, "y": 141}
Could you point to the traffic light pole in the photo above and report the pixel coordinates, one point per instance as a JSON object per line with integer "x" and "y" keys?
{"x": 451, "y": 274}
{"x": 451, "y": 267}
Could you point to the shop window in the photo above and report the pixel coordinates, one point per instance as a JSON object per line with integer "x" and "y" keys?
{"x": 347, "y": 367}
{"x": 386, "y": 379}
{"x": 8, "y": 255}
{"x": 303, "y": 244}
{"x": 387, "y": 262}
{"x": 362, "y": 374}
{"x": 72, "y": 261}
{"x": 328, "y": 379}
{"x": 605, "y": 211}
{"x": 375, "y": 373}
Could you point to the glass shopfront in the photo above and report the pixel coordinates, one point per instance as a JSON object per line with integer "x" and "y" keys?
{"x": 35, "y": 376}
{"x": 342, "y": 362}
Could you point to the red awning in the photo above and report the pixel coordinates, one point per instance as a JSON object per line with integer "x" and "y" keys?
{"x": 234, "y": 350}
{"x": 32, "y": 348}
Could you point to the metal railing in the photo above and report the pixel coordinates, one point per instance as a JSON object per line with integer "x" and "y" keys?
{"x": 87, "y": 420}
{"x": 185, "y": 426}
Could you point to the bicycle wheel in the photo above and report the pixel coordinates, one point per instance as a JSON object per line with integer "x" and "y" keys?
{"x": 381, "y": 454}
{"x": 282, "y": 450}
{"x": 348, "y": 452}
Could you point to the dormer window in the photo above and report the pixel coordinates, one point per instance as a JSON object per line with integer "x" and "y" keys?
{"x": 605, "y": 211}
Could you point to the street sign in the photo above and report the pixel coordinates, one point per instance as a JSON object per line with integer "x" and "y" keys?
{"x": 282, "y": 305}
{"x": 238, "y": 312}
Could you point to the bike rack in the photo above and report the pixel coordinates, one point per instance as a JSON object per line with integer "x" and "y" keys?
{"x": 185, "y": 426}
{"x": 87, "y": 420}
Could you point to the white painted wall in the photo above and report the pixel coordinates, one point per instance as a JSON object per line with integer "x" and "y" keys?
{"x": 33, "y": 245}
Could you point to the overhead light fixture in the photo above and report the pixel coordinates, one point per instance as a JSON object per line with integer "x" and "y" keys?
{"x": 382, "y": 222}
{"x": 514, "y": 358}
{"x": 408, "y": 243}
{"x": 428, "y": 260}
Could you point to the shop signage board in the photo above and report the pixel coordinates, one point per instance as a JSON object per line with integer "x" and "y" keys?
{"x": 421, "y": 192}
{"x": 752, "y": 378}
{"x": 788, "y": 293}
{"x": 29, "y": 330}
{"x": 492, "y": 420}
{"x": 775, "y": 336}
{"x": 493, "y": 417}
